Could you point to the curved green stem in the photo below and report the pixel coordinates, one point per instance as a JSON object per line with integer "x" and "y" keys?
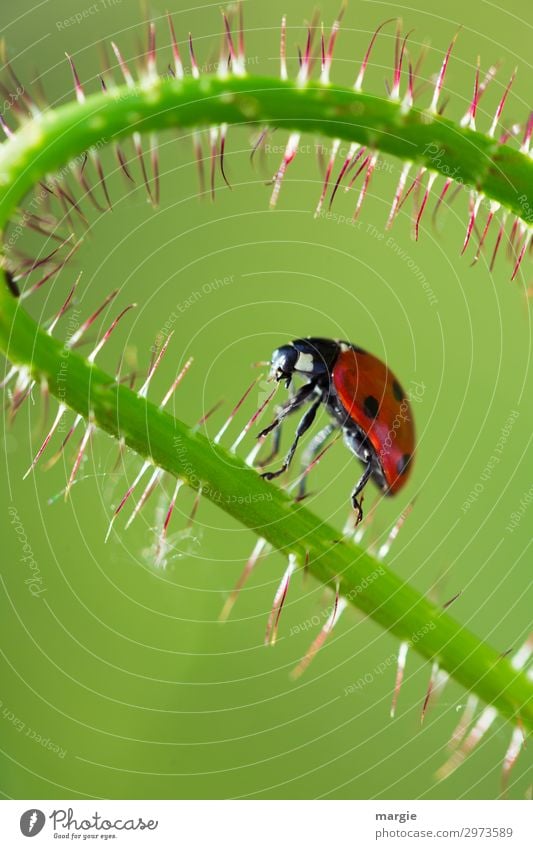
{"x": 226, "y": 480}
{"x": 500, "y": 172}
{"x": 504, "y": 175}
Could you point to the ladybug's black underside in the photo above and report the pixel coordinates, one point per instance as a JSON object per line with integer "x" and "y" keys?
{"x": 315, "y": 358}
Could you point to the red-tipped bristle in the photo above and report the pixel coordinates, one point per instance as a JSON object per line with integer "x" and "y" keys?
{"x": 52, "y": 273}
{"x": 194, "y": 64}
{"x": 143, "y": 391}
{"x": 64, "y": 308}
{"x": 394, "y": 531}
{"x": 33, "y": 222}
{"x": 9, "y": 133}
{"x": 123, "y": 163}
{"x": 451, "y": 600}
{"x": 70, "y": 433}
{"x": 60, "y": 413}
{"x": 399, "y": 192}
{"x": 137, "y": 143}
{"x": 300, "y": 481}
{"x": 283, "y": 49}
{"x": 410, "y": 93}
{"x": 334, "y": 150}
{"x": 229, "y": 39}
{"x": 260, "y": 547}
{"x": 412, "y": 188}
{"x": 364, "y": 190}
{"x": 475, "y": 203}
{"x": 151, "y": 60}
{"x": 526, "y": 240}
{"x": 223, "y": 137}
{"x": 251, "y": 422}
{"x": 154, "y": 160}
{"x": 432, "y": 681}
{"x": 511, "y": 756}
{"x": 195, "y": 507}
{"x": 327, "y": 52}
{"x": 236, "y": 409}
{"x": 126, "y": 73}
{"x": 89, "y": 430}
{"x": 34, "y": 264}
{"x": 359, "y": 170}
{"x": 524, "y": 147}
{"x": 94, "y": 353}
{"x": 338, "y": 607}
{"x": 199, "y": 156}
{"x": 80, "y": 94}
{"x": 354, "y": 153}
{"x": 146, "y": 465}
{"x": 493, "y": 209}
{"x": 176, "y": 382}
{"x": 178, "y": 64}
{"x": 469, "y": 119}
{"x": 279, "y": 601}
{"x": 161, "y": 543}
{"x": 303, "y": 73}
{"x": 400, "y": 669}
{"x": 66, "y": 199}
{"x": 431, "y": 179}
{"x": 26, "y": 98}
{"x": 86, "y": 186}
{"x": 211, "y": 412}
{"x": 100, "y": 171}
{"x": 501, "y": 104}
{"x": 23, "y": 389}
{"x": 147, "y": 492}
{"x": 80, "y": 332}
{"x": 360, "y": 77}
{"x": 395, "y": 90}
{"x": 442, "y": 73}
{"x": 290, "y": 152}
{"x": 464, "y": 722}
{"x": 213, "y": 147}
{"x": 9, "y": 376}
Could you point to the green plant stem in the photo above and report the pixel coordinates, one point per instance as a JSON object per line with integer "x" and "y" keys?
{"x": 226, "y": 480}
{"x": 45, "y": 145}
{"x": 500, "y": 172}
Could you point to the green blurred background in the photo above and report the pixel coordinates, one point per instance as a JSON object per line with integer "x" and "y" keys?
{"x": 123, "y": 666}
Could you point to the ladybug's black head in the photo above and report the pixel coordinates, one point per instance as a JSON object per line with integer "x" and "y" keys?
{"x": 283, "y": 363}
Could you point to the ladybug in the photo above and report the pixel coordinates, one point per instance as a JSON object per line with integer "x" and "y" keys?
{"x": 364, "y": 400}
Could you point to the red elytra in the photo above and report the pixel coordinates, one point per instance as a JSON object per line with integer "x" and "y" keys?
{"x": 364, "y": 399}
{"x": 359, "y": 379}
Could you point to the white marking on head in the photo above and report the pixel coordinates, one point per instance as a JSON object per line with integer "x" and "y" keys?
{"x": 305, "y": 362}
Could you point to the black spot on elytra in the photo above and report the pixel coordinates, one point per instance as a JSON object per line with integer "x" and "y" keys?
{"x": 397, "y": 391}
{"x": 403, "y": 463}
{"x": 371, "y": 406}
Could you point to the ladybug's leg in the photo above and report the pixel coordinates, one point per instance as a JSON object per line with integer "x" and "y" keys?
{"x": 304, "y": 425}
{"x": 360, "y": 485}
{"x": 312, "y": 450}
{"x": 274, "y": 450}
{"x": 290, "y": 406}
